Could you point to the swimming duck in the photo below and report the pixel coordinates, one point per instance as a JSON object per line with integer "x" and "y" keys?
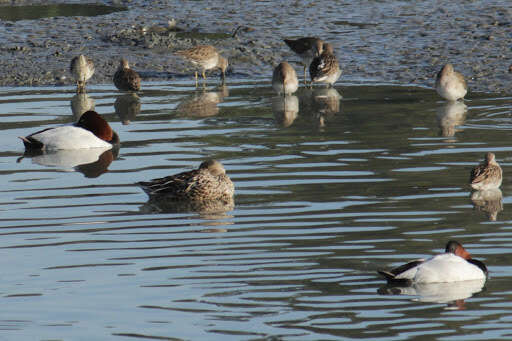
{"x": 450, "y": 84}
{"x": 487, "y": 175}
{"x": 454, "y": 265}
{"x": 208, "y": 182}
{"x": 91, "y": 131}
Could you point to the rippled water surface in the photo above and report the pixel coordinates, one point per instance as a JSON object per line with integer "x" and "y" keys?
{"x": 331, "y": 185}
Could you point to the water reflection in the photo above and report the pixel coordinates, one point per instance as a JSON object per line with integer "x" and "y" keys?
{"x": 203, "y": 103}
{"x": 127, "y": 107}
{"x": 449, "y": 116}
{"x": 452, "y": 293}
{"x": 213, "y": 209}
{"x": 320, "y": 104}
{"x": 315, "y": 214}
{"x": 81, "y": 103}
{"x": 489, "y": 202}
{"x": 90, "y": 162}
{"x": 326, "y": 101}
{"x": 285, "y": 109}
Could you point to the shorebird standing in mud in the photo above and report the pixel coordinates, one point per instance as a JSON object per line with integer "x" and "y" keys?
{"x": 206, "y": 57}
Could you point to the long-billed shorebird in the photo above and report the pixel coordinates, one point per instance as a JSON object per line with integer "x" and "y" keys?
{"x": 125, "y": 78}
{"x": 325, "y": 68}
{"x": 82, "y": 68}
{"x": 284, "y": 79}
{"x": 206, "y": 57}
{"x": 307, "y": 49}
{"x": 450, "y": 84}
{"x": 487, "y": 175}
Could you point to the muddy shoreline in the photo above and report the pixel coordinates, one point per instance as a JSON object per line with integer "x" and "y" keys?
{"x": 392, "y": 42}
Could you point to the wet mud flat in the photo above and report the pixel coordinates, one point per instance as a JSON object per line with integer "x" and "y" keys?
{"x": 395, "y": 42}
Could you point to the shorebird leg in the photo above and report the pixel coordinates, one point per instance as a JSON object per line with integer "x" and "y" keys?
{"x": 223, "y": 78}
{"x": 196, "y": 79}
{"x": 305, "y": 79}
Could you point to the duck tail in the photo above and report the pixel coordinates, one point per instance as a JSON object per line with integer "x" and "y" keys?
{"x": 390, "y": 277}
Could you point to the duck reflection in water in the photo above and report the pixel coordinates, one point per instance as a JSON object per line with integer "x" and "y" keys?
{"x": 127, "y": 107}
{"x": 285, "y": 109}
{"x": 449, "y": 116}
{"x": 90, "y": 162}
{"x": 81, "y": 103}
{"x": 453, "y": 294}
{"x": 207, "y": 189}
{"x": 489, "y": 201}
{"x": 203, "y": 103}
{"x": 208, "y": 209}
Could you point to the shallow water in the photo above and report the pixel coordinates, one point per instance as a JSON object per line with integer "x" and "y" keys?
{"x": 32, "y": 12}
{"x": 330, "y": 186}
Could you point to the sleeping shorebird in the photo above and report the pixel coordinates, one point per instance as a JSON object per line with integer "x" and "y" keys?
{"x": 284, "y": 79}
{"x": 487, "y": 175}
{"x": 82, "y": 68}
{"x": 206, "y": 57}
{"x": 307, "y": 49}
{"x": 325, "y": 68}
{"x": 450, "y": 84}
{"x": 126, "y": 79}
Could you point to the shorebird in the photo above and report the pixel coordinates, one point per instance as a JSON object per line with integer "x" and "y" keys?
{"x": 126, "y": 79}
{"x": 284, "y": 79}
{"x": 307, "y": 49}
{"x": 208, "y": 182}
{"x": 82, "y": 68}
{"x": 206, "y": 57}
{"x": 487, "y": 175}
{"x": 450, "y": 84}
{"x": 325, "y": 68}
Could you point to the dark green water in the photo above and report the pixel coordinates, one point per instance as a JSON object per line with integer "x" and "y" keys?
{"x": 331, "y": 185}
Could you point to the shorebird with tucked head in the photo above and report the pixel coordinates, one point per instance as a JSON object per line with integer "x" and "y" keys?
{"x": 325, "y": 68}
{"x": 126, "y": 79}
{"x": 307, "y": 48}
{"x": 450, "y": 84}
{"x": 487, "y": 175}
{"x": 284, "y": 79}
{"x": 205, "y": 57}
{"x": 82, "y": 68}
{"x": 208, "y": 182}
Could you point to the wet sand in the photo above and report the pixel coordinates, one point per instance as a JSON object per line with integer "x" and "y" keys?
{"x": 391, "y": 42}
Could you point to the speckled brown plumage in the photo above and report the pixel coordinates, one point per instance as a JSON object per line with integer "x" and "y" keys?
{"x": 82, "y": 69}
{"x": 125, "y": 78}
{"x": 325, "y": 68}
{"x": 306, "y": 48}
{"x": 208, "y": 182}
{"x": 206, "y": 57}
{"x": 487, "y": 175}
